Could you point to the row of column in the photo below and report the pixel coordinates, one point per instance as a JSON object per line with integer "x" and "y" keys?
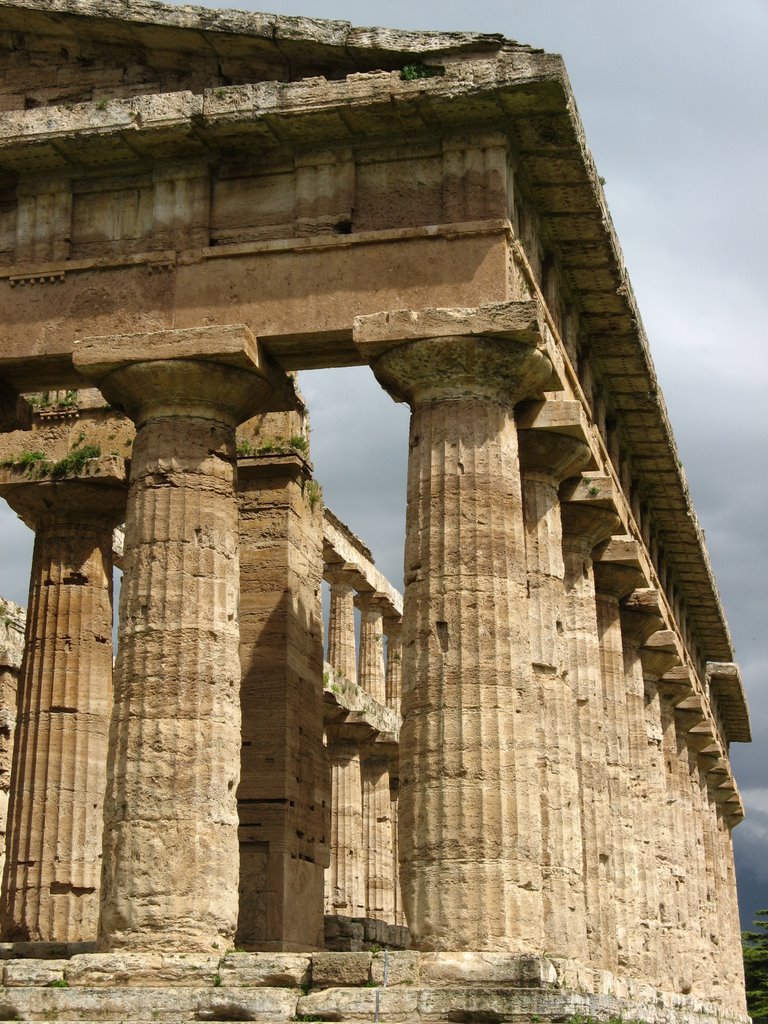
{"x": 528, "y": 753}
{"x": 534, "y": 804}
{"x": 363, "y": 878}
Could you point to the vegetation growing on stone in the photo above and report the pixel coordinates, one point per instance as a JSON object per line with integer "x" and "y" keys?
{"x": 73, "y": 462}
{"x": 755, "y": 944}
{"x": 412, "y": 72}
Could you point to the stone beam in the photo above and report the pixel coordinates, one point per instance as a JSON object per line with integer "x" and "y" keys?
{"x": 341, "y": 548}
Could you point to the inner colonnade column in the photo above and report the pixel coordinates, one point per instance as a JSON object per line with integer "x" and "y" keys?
{"x": 51, "y": 880}
{"x": 589, "y": 517}
{"x": 552, "y": 447}
{"x": 170, "y": 873}
{"x": 377, "y": 828}
{"x": 345, "y": 879}
{"x": 470, "y": 832}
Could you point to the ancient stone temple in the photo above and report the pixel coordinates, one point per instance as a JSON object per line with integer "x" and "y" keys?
{"x": 505, "y": 794}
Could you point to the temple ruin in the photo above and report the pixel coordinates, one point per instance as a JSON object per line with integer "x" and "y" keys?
{"x": 505, "y": 794}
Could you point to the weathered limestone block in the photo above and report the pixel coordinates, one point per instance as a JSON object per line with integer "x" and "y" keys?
{"x": 265, "y": 970}
{"x": 494, "y": 969}
{"x": 589, "y": 517}
{"x": 330, "y": 970}
{"x": 360, "y": 1004}
{"x": 51, "y": 879}
{"x": 284, "y": 794}
{"x": 552, "y": 447}
{"x": 26, "y": 973}
{"x": 470, "y": 838}
{"x": 170, "y": 839}
{"x": 114, "y": 970}
{"x": 395, "y": 967}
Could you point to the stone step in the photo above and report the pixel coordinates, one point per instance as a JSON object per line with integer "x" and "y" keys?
{"x": 168, "y": 1005}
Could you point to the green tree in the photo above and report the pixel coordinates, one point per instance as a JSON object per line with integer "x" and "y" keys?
{"x": 755, "y": 946}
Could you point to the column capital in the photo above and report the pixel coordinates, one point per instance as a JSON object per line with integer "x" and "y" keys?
{"x": 589, "y": 509}
{"x": 345, "y": 577}
{"x": 429, "y": 355}
{"x": 641, "y": 613}
{"x": 96, "y": 492}
{"x": 218, "y": 373}
{"x": 619, "y": 571}
{"x": 660, "y": 652}
{"x": 554, "y": 439}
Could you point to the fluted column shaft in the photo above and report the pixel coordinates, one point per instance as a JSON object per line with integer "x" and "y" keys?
{"x": 647, "y": 814}
{"x": 341, "y": 626}
{"x": 345, "y": 885}
{"x": 170, "y": 817}
{"x": 370, "y": 668}
{"x": 580, "y": 634}
{"x": 470, "y": 835}
{"x": 377, "y": 840}
{"x": 680, "y": 854}
{"x": 621, "y": 823}
{"x": 547, "y": 457}
{"x": 51, "y": 878}
{"x": 394, "y": 632}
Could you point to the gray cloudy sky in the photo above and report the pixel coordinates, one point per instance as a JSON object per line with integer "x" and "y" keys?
{"x": 674, "y": 97}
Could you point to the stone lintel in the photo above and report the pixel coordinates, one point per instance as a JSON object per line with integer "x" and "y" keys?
{"x": 522, "y": 322}
{"x": 346, "y": 553}
{"x": 352, "y": 713}
{"x": 725, "y": 684}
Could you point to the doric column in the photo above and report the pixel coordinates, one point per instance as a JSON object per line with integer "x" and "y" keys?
{"x": 170, "y": 818}
{"x": 393, "y": 629}
{"x": 470, "y": 832}
{"x": 377, "y": 838}
{"x": 370, "y": 665}
{"x": 53, "y": 866}
{"x": 345, "y": 878}
{"x": 377, "y": 829}
{"x": 618, "y": 571}
{"x": 652, "y": 651}
{"x": 640, "y": 618}
{"x": 284, "y": 793}
{"x": 589, "y": 517}
{"x": 552, "y": 447}
{"x": 341, "y": 624}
